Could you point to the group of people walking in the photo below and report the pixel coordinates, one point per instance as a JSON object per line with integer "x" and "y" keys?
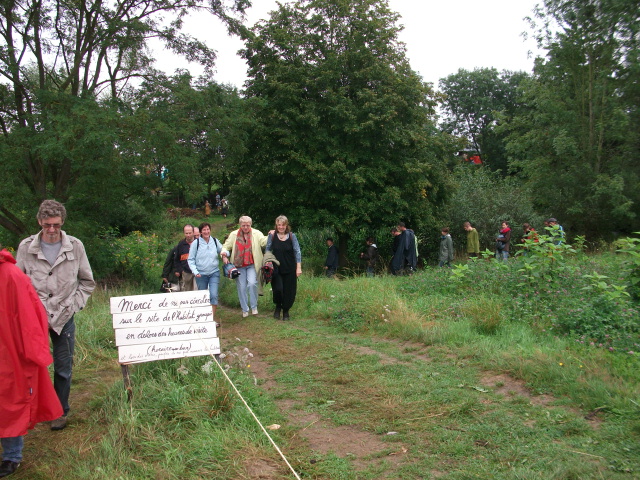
{"x": 195, "y": 264}
{"x": 503, "y": 239}
{"x": 405, "y": 247}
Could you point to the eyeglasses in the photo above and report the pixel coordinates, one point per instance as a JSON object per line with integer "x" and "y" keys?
{"x": 55, "y": 226}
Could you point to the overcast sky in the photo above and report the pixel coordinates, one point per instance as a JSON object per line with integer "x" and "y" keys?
{"x": 441, "y": 37}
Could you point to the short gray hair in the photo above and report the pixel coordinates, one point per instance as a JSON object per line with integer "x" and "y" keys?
{"x": 51, "y": 208}
{"x": 245, "y": 219}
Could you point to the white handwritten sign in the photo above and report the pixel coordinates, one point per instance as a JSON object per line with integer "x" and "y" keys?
{"x": 166, "y": 350}
{"x": 165, "y": 325}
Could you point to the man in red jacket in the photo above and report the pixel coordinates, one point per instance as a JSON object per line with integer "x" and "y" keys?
{"x": 26, "y": 392}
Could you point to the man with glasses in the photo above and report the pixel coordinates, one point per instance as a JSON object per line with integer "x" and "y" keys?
{"x": 59, "y": 270}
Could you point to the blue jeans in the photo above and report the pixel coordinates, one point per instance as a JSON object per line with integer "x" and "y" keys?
{"x": 12, "y": 448}
{"x": 247, "y": 284}
{"x": 502, "y": 255}
{"x": 63, "y": 347}
{"x": 370, "y": 272}
{"x": 211, "y": 282}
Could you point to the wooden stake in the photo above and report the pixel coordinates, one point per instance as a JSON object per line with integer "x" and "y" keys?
{"x": 127, "y": 381}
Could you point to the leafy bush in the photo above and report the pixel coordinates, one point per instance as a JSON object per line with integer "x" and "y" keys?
{"x": 139, "y": 257}
{"x": 485, "y": 199}
{"x": 631, "y": 266}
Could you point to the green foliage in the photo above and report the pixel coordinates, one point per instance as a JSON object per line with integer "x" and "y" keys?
{"x": 573, "y": 138}
{"x": 66, "y": 129}
{"x": 475, "y": 103}
{"x": 348, "y": 320}
{"x": 544, "y": 259}
{"x": 486, "y": 199}
{"x": 631, "y": 266}
{"x": 189, "y": 133}
{"x": 344, "y": 115}
{"x": 138, "y": 257}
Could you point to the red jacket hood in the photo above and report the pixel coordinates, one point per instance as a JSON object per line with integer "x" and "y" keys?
{"x": 5, "y": 256}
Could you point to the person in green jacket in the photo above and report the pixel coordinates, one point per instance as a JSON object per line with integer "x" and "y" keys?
{"x": 473, "y": 242}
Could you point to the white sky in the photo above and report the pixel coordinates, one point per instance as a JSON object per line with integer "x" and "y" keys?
{"x": 441, "y": 37}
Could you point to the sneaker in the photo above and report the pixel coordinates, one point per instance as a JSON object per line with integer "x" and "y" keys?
{"x": 245, "y": 314}
{"x": 254, "y": 311}
{"x": 59, "y": 423}
{"x": 7, "y": 467}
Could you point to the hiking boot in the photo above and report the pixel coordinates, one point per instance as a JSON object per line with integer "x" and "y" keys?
{"x": 285, "y": 315}
{"x": 276, "y": 313}
{"x": 59, "y": 423}
{"x": 7, "y": 467}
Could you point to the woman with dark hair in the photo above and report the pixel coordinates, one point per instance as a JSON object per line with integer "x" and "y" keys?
{"x": 203, "y": 262}
{"x": 285, "y": 247}
{"x": 503, "y": 242}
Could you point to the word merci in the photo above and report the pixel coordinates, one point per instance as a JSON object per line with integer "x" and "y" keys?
{"x": 162, "y": 326}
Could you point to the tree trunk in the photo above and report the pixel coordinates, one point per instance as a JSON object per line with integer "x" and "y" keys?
{"x": 343, "y": 243}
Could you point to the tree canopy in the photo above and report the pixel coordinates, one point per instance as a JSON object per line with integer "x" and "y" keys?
{"x": 576, "y": 138}
{"x": 346, "y": 134}
{"x": 67, "y": 67}
{"x": 475, "y": 103}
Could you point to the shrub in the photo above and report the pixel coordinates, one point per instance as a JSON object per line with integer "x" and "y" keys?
{"x": 138, "y": 256}
{"x": 631, "y": 267}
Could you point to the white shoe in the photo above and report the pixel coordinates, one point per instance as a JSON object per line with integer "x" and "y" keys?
{"x": 245, "y": 314}
{"x": 254, "y": 311}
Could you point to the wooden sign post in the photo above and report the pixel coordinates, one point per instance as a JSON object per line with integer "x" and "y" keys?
{"x": 162, "y": 326}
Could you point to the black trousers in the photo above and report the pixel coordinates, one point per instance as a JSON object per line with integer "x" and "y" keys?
{"x": 284, "y": 288}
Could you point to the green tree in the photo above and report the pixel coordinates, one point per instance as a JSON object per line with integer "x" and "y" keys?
{"x": 67, "y": 68}
{"x": 576, "y": 141}
{"x": 475, "y": 103}
{"x": 345, "y": 134}
{"x": 486, "y": 199}
{"x": 187, "y": 135}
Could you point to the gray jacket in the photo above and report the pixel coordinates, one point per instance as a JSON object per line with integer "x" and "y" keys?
{"x": 63, "y": 288}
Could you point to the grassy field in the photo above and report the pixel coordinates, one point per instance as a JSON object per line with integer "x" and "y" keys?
{"x": 478, "y": 372}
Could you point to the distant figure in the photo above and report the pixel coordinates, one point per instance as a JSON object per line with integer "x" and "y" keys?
{"x": 170, "y": 282}
{"x": 207, "y": 208}
{"x": 27, "y": 395}
{"x": 473, "y": 242}
{"x": 405, "y": 258}
{"x": 60, "y": 272}
{"x": 446, "y": 248}
{"x": 218, "y": 201}
{"x": 331, "y": 263}
{"x": 370, "y": 256}
{"x": 224, "y": 207}
{"x": 282, "y": 242}
{"x": 555, "y": 230}
{"x": 503, "y": 241}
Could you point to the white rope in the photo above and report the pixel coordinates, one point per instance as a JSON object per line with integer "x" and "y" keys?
{"x": 264, "y": 430}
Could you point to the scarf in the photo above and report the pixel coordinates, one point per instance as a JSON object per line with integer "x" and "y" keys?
{"x": 243, "y": 256}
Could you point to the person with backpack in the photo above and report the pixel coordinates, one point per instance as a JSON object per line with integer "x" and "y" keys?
{"x": 203, "y": 262}
{"x": 370, "y": 256}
